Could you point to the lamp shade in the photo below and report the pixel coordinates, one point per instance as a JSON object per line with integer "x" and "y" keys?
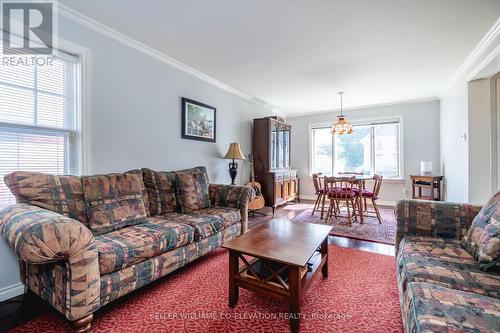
{"x": 234, "y": 152}
{"x": 426, "y": 167}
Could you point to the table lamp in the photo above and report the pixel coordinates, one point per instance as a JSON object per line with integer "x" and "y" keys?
{"x": 234, "y": 153}
{"x": 426, "y": 168}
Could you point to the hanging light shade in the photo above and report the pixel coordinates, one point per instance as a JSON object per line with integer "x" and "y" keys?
{"x": 342, "y": 125}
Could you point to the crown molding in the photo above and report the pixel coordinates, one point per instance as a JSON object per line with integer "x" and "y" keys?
{"x": 474, "y": 74}
{"x": 481, "y": 47}
{"x": 363, "y": 107}
{"x": 103, "y": 29}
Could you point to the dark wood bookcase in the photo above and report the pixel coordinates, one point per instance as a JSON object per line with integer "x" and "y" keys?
{"x": 271, "y": 150}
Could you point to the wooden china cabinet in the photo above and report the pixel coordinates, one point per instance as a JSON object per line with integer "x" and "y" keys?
{"x": 271, "y": 150}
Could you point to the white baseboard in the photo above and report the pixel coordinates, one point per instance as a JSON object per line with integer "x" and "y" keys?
{"x": 386, "y": 203}
{"x": 11, "y": 291}
{"x": 380, "y": 202}
{"x": 308, "y": 197}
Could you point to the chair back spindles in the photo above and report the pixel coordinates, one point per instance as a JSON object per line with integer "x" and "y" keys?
{"x": 316, "y": 182}
{"x": 340, "y": 187}
{"x": 362, "y": 184}
{"x": 377, "y": 183}
{"x": 329, "y": 183}
{"x": 320, "y": 194}
{"x": 341, "y": 190}
{"x": 373, "y": 196}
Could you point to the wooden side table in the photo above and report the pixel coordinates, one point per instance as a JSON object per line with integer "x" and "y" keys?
{"x": 286, "y": 258}
{"x": 430, "y": 182}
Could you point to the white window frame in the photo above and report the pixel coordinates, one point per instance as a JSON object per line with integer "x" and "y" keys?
{"x": 366, "y": 122}
{"x": 82, "y": 103}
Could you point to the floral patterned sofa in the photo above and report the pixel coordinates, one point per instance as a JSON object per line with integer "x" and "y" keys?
{"x": 83, "y": 242}
{"x": 448, "y": 266}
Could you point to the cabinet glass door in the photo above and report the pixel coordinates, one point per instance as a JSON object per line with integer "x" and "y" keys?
{"x": 274, "y": 145}
{"x": 286, "y": 147}
{"x": 281, "y": 146}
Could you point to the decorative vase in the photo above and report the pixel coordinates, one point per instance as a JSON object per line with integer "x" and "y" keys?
{"x": 426, "y": 168}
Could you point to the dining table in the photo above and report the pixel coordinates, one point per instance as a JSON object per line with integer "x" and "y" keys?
{"x": 360, "y": 181}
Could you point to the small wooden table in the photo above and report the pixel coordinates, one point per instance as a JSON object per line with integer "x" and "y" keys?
{"x": 430, "y": 182}
{"x": 286, "y": 257}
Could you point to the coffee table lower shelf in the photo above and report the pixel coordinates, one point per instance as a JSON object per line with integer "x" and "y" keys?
{"x": 278, "y": 280}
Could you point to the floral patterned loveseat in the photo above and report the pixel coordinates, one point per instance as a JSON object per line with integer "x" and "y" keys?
{"x": 448, "y": 266}
{"x": 83, "y": 242}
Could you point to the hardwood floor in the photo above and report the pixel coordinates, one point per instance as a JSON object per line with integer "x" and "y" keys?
{"x": 26, "y": 307}
{"x": 292, "y": 210}
{"x": 21, "y": 309}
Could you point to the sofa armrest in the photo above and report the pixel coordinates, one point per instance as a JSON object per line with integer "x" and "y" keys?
{"x": 39, "y": 236}
{"x": 235, "y": 196}
{"x": 433, "y": 219}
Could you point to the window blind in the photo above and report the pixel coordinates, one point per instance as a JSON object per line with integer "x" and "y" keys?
{"x": 38, "y": 129}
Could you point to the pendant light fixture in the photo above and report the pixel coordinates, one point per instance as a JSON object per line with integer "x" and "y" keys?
{"x": 341, "y": 126}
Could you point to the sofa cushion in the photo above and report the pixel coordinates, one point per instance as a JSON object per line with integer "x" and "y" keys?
{"x": 207, "y": 221}
{"x": 60, "y": 194}
{"x": 161, "y": 192}
{"x": 453, "y": 273}
{"x": 483, "y": 237}
{"x": 145, "y": 196}
{"x": 433, "y": 248}
{"x": 228, "y": 215}
{"x": 431, "y": 308}
{"x": 127, "y": 246}
{"x": 113, "y": 201}
{"x": 203, "y": 225}
{"x": 484, "y": 241}
{"x": 192, "y": 189}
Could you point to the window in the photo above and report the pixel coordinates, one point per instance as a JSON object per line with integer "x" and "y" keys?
{"x": 371, "y": 149}
{"x": 322, "y": 151}
{"x": 38, "y": 119}
{"x": 353, "y": 151}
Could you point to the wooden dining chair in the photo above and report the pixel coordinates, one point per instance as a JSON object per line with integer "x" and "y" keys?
{"x": 340, "y": 190}
{"x": 354, "y": 173}
{"x": 320, "y": 193}
{"x": 373, "y": 196}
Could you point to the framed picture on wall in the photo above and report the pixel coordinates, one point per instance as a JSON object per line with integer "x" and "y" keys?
{"x": 198, "y": 121}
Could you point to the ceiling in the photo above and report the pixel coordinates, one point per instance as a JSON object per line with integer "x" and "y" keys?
{"x": 296, "y": 54}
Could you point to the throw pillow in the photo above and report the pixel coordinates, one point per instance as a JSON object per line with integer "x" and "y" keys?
{"x": 60, "y": 194}
{"x": 161, "y": 193}
{"x": 113, "y": 201}
{"x": 192, "y": 189}
{"x": 145, "y": 196}
{"x": 483, "y": 237}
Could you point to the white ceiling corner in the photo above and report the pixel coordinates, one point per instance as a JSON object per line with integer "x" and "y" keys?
{"x": 293, "y": 56}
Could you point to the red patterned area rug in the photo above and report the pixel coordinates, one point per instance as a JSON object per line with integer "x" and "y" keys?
{"x": 370, "y": 230}
{"x": 360, "y": 295}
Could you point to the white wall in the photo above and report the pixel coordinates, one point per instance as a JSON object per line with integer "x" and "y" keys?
{"x": 497, "y": 128}
{"x": 454, "y": 146}
{"x": 136, "y": 112}
{"x": 136, "y": 118}
{"x": 454, "y": 124}
{"x": 481, "y": 126}
{"x": 420, "y": 142}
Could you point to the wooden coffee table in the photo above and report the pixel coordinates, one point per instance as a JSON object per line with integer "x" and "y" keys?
{"x": 286, "y": 256}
